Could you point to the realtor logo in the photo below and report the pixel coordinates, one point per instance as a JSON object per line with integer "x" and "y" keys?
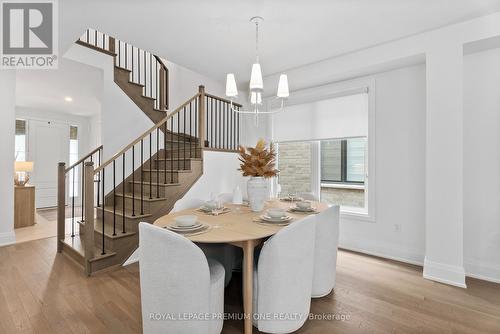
{"x": 28, "y": 35}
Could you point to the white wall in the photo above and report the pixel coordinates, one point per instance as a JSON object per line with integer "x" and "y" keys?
{"x": 220, "y": 175}
{"x": 482, "y": 164}
{"x": 398, "y": 229}
{"x": 7, "y": 132}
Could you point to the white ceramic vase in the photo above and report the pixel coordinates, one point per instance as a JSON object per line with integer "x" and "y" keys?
{"x": 258, "y": 192}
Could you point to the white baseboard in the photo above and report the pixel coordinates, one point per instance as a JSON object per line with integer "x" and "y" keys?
{"x": 391, "y": 253}
{"x": 7, "y": 238}
{"x": 486, "y": 272}
{"x": 444, "y": 273}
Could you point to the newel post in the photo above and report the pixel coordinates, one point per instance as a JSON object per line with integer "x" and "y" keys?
{"x": 89, "y": 215}
{"x": 61, "y": 205}
{"x": 201, "y": 115}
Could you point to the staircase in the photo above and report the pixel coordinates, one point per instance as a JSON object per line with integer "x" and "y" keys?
{"x": 143, "y": 181}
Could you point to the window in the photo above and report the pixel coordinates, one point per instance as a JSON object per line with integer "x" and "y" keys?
{"x": 343, "y": 160}
{"x": 73, "y": 157}
{"x": 20, "y": 141}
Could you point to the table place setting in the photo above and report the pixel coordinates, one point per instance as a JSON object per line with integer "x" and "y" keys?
{"x": 303, "y": 207}
{"x": 188, "y": 225}
{"x": 213, "y": 208}
{"x": 291, "y": 198}
{"x": 275, "y": 217}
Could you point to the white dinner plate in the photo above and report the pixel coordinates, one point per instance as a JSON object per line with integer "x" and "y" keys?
{"x": 275, "y": 220}
{"x": 185, "y": 228}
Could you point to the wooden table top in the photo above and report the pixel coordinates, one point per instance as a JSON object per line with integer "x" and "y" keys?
{"x": 237, "y": 225}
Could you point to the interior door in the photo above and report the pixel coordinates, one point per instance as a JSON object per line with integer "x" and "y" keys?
{"x": 48, "y": 145}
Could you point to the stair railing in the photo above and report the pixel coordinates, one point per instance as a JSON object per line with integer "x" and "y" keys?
{"x": 222, "y": 131}
{"x": 145, "y": 68}
{"x": 70, "y": 178}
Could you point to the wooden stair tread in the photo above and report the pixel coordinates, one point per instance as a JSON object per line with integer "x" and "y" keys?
{"x": 146, "y": 198}
{"x": 174, "y": 159}
{"x": 127, "y": 214}
{"x": 155, "y": 183}
{"x": 78, "y": 245}
{"x": 108, "y": 232}
{"x": 168, "y": 170}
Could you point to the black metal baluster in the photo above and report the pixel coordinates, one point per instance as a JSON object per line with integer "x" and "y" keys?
{"x": 238, "y": 132}
{"x": 88, "y": 36}
{"x": 95, "y": 37}
{"x": 83, "y": 192}
{"x": 99, "y": 180}
{"x": 157, "y": 169}
{"x": 103, "y": 212}
{"x": 184, "y": 136}
{"x": 142, "y": 177}
{"x": 150, "y": 75}
{"x": 219, "y": 129}
{"x": 164, "y": 154}
{"x": 157, "y": 90}
{"x": 73, "y": 204}
{"x": 212, "y": 143}
{"x": 133, "y": 181}
{"x": 171, "y": 150}
{"x": 190, "y": 135}
{"x": 178, "y": 141}
{"x": 114, "y": 197}
{"x": 123, "y": 192}
{"x": 150, "y": 170}
{"x": 231, "y": 113}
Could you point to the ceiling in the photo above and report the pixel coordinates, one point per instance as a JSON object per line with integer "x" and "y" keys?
{"x": 215, "y": 37}
{"x": 46, "y": 89}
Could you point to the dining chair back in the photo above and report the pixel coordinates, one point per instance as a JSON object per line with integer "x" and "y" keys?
{"x": 222, "y": 253}
{"x": 325, "y": 257}
{"x": 177, "y": 280}
{"x": 283, "y": 278}
{"x": 187, "y": 203}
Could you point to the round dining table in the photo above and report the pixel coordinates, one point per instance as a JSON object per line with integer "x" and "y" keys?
{"x": 241, "y": 227}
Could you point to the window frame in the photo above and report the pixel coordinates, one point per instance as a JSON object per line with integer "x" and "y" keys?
{"x": 343, "y": 164}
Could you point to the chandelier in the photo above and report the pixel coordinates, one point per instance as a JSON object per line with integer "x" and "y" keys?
{"x": 256, "y": 83}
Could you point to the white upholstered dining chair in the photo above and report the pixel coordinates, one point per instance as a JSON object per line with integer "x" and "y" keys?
{"x": 283, "y": 278}
{"x": 177, "y": 279}
{"x": 325, "y": 257}
{"x": 223, "y": 253}
{"x": 187, "y": 203}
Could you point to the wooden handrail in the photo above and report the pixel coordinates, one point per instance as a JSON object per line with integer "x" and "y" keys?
{"x": 223, "y": 100}
{"x": 83, "y": 159}
{"x": 156, "y": 126}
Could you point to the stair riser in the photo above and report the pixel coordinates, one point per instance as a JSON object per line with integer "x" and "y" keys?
{"x": 193, "y": 153}
{"x": 171, "y": 177}
{"x": 131, "y": 224}
{"x": 128, "y": 203}
{"x": 113, "y": 244}
{"x": 181, "y": 146}
{"x": 146, "y": 190}
{"x": 184, "y": 164}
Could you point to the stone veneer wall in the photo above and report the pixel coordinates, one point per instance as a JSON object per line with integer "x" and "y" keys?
{"x": 294, "y": 163}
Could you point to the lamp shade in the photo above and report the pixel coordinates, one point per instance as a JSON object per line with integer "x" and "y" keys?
{"x": 231, "y": 89}
{"x": 255, "y": 98}
{"x": 23, "y": 166}
{"x": 283, "y": 86}
{"x": 256, "y": 77}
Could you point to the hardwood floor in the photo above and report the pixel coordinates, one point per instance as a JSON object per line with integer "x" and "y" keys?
{"x": 41, "y": 292}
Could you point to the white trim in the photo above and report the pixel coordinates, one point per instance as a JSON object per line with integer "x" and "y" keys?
{"x": 410, "y": 257}
{"x": 482, "y": 271}
{"x": 444, "y": 273}
{"x": 343, "y": 186}
{"x": 7, "y": 238}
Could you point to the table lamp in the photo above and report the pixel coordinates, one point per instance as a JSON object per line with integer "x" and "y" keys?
{"x": 22, "y": 168}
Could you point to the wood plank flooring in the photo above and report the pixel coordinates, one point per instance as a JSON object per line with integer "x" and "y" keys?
{"x": 45, "y": 292}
